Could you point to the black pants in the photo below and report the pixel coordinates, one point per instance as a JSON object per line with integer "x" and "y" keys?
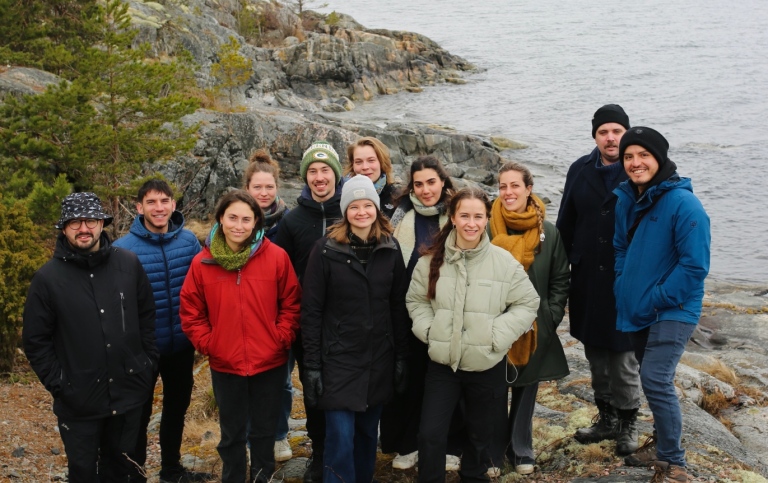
{"x": 252, "y": 401}
{"x": 96, "y": 448}
{"x": 483, "y": 393}
{"x": 315, "y": 417}
{"x": 401, "y": 417}
{"x": 176, "y": 371}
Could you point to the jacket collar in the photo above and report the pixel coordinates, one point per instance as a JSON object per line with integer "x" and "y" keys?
{"x": 593, "y": 178}
{"x": 140, "y": 230}
{"x": 387, "y": 243}
{"x": 453, "y": 254}
{"x": 64, "y": 251}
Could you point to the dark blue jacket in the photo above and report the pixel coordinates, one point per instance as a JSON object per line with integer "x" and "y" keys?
{"x": 166, "y": 258}
{"x": 660, "y": 273}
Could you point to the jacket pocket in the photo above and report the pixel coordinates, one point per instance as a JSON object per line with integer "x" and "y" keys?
{"x": 138, "y": 372}
{"x": 84, "y": 392}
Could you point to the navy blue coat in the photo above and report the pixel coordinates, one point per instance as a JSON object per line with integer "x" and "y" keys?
{"x": 166, "y": 258}
{"x": 586, "y": 222}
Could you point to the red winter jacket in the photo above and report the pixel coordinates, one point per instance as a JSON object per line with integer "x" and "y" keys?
{"x": 244, "y": 320}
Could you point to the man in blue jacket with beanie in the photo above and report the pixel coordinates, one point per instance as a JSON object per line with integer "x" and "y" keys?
{"x": 662, "y": 243}
{"x": 165, "y": 249}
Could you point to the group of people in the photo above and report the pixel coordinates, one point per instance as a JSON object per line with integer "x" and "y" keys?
{"x": 399, "y": 308}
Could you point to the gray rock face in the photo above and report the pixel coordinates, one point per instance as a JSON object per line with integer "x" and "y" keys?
{"x": 18, "y": 81}
{"x": 344, "y": 60}
{"x": 226, "y": 141}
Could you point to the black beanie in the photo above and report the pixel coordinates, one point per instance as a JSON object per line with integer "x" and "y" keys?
{"x": 648, "y": 138}
{"x": 609, "y": 113}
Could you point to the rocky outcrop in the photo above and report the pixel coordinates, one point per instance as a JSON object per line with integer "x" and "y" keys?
{"x": 19, "y": 81}
{"x": 343, "y": 60}
{"x": 226, "y": 141}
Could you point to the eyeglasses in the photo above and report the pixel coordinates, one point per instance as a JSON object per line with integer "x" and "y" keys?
{"x": 89, "y": 223}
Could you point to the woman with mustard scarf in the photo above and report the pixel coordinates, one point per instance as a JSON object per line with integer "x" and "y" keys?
{"x": 518, "y": 225}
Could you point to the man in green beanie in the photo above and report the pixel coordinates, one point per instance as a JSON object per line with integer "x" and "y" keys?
{"x": 317, "y": 208}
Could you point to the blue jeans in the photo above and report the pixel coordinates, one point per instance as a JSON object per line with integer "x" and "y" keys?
{"x": 658, "y": 349}
{"x": 286, "y": 405}
{"x": 350, "y": 445}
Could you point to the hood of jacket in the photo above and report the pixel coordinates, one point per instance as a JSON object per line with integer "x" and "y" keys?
{"x": 175, "y": 225}
{"x": 626, "y": 190}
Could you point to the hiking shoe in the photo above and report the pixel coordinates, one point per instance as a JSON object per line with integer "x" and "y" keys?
{"x": 405, "y": 461}
{"x": 283, "y": 450}
{"x": 524, "y": 469}
{"x": 604, "y": 425}
{"x": 645, "y": 454}
{"x": 493, "y": 472}
{"x": 667, "y": 473}
{"x": 314, "y": 471}
{"x": 452, "y": 463}
{"x": 179, "y": 474}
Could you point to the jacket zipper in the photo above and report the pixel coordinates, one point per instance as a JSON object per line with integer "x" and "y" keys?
{"x": 122, "y": 309}
{"x": 168, "y": 289}
{"x": 238, "y": 276}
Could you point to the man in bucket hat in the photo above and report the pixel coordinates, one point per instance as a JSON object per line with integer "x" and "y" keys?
{"x": 89, "y": 336}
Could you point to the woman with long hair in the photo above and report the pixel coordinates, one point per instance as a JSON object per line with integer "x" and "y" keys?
{"x": 370, "y": 157}
{"x": 421, "y": 212}
{"x": 518, "y": 226}
{"x": 240, "y": 307}
{"x": 469, "y": 301}
{"x": 354, "y": 328}
{"x": 261, "y": 180}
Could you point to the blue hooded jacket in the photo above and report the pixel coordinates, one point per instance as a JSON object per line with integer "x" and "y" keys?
{"x": 660, "y": 274}
{"x": 166, "y": 258}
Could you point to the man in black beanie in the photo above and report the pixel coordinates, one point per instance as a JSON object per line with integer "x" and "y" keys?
{"x": 586, "y": 224}
{"x": 662, "y": 246}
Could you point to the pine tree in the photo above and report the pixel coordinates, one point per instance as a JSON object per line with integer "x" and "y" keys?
{"x": 232, "y": 70}
{"x": 123, "y": 111}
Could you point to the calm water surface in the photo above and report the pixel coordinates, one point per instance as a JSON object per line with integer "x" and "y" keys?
{"x": 695, "y": 70}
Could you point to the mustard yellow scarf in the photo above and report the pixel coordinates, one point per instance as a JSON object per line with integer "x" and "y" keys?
{"x": 522, "y": 247}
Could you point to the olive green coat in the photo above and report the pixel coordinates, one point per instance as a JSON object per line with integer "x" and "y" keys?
{"x": 484, "y": 301}
{"x": 549, "y": 274}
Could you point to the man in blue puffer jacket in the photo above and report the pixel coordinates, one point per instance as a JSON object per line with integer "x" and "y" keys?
{"x": 662, "y": 243}
{"x": 165, "y": 249}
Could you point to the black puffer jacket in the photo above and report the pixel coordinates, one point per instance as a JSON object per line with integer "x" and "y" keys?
{"x": 89, "y": 331}
{"x": 304, "y": 225}
{"x": 354, "y": 322}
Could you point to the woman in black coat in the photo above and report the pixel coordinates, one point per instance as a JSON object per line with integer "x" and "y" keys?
{"x": 370, "y": 157}
{"x": 354, "y": 327}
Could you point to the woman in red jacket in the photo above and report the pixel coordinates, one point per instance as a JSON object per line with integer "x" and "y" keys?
{"x": 240, "y": 307}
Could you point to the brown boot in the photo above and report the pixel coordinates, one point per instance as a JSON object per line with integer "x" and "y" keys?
{"x": 667, "y": 473}
{"x": 644, "y": 455}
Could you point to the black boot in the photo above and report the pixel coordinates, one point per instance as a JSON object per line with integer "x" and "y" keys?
{"x": 314, "y": 472}
{"x": 626, "y": 440}
{"x": 604, "y": 425}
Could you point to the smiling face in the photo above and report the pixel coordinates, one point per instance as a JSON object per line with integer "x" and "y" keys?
{"x": 470, "y": 220}
{"x": 641, "y": 166}
{"x": 513, "y": 191}
{"x": 157, "y": 208}
{"x": 607, "y": 138}
{"x": 81, "y": 236}
{"x": 365, "y": 162}
{"x": 361, "y": 214}
{"x": 263, "y": 187}
{"x": 237, "y": 224}
{"x": 321, "y": 181}
{"x": 427, "y": 186}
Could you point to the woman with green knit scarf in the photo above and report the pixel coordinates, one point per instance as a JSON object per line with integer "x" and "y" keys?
{"x": 518, "y": 225}
{"x": 240, "y": 307}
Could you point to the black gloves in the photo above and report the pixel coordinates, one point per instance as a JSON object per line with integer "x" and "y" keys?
{"x": 401, "y": 375}
{"x": 313, "y": 386}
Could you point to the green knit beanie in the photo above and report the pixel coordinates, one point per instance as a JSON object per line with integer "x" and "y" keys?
{"x": 320, "y": 152}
